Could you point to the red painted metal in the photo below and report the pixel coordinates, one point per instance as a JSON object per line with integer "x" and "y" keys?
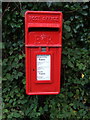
{"x": 43, "y": 29}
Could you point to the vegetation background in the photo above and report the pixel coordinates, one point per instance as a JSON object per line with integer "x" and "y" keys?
{"x": 74, "y": 101}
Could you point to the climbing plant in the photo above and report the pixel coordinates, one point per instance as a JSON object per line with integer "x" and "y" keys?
{"x": 73, "y": 102}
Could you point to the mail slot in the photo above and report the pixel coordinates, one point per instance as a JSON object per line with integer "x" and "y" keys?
{"x": 43, "y": 47}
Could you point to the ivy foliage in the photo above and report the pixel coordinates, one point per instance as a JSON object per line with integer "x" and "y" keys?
{"x": 73, "y": 102}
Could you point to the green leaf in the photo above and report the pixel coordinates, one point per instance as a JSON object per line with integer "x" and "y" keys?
{"x": 67, "y": 27}
{"x": 23, "y": 12}
{"x": 70, "y": 64}
{"x": 16, "y": 115}
{"x": 84, "y": 13}
{"x": 0, "y": 45}
{"x": 77, "y": 91}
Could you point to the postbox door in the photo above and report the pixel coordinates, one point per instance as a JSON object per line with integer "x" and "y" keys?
{"x": 52, "y": 64}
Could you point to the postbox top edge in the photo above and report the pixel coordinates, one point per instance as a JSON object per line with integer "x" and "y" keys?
{"x": 40, "y": 12}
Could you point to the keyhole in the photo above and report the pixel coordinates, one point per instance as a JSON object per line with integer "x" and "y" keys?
{"x": 43, "y": 49}
{"x": 33, "y": 70}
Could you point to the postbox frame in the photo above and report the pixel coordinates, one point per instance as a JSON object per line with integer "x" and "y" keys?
{"x": 27, "y": 45}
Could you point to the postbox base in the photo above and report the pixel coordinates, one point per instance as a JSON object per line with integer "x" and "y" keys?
{"x": 42, "y": 93}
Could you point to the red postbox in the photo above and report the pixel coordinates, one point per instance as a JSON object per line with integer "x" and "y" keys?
{"x": 43, "y": 46}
